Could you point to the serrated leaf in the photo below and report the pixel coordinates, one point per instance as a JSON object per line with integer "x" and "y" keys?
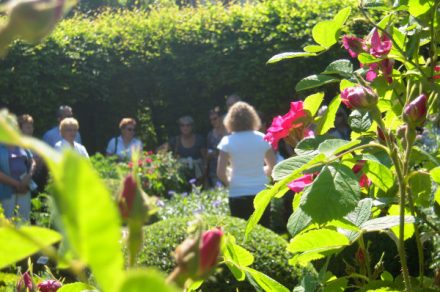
{"x": 236, "y": 257}
{"x": 309, "y": 146}
{"x": 313, "y": 102}
{"x": 314, "y": 81}
{"x": 314, "y": 49}
{"x": 329, "y": 147}
{"x": 360, "y": 121}
{"x": 384, "y": 223}
{"x": 19, "y": 244}
{"x": 326, "y": 33}
{"x": 358, "y": 216}
{"x": 420, "y": 186}
{"x": 285, "y": 167}
{"x": 326, "y": 122}
{"x": 289, "y": 55}
{"x": 379, "y": 174}
{"x": 297, "y": 222}
{"x": 333, "y": 194}
{"x": 340, "y": 67}
{"x": 408, "y": 228}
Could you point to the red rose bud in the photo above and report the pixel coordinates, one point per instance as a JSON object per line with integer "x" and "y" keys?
{"x": 415, "y": 112}
{"x": 209, "y": 250}
{"x": 25, "y": 283}
{"x": 49, "y": 286}
{"x": 128, "y": 195}
{"x": 360, "y": 256}
{"x": 359, "y": 97}
{"x": 353, "y": 45}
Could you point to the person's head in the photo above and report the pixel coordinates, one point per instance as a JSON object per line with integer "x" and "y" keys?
{"x": 186, "y": 124}
{"x": 68, "y": 129}
{"x": 231, "y": 99}
{"x": 242, "y": 117}
{"x": 63, "y": 112}
{"x": 215, "y": 117}
{"x": 127, "y": 126}
{"x": 26, "y": 124}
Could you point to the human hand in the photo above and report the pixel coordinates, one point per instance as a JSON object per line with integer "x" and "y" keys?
{"x": 26, "y": 179}
{"x": 21, "y": 187}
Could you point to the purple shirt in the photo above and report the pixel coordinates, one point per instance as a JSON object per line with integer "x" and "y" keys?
{"x": 17, "y": 162}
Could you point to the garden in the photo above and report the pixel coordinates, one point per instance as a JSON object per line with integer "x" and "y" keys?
{"x": 365, "y": 213}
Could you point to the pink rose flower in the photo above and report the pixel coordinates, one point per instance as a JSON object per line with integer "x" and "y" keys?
{"x": 299, "y": 184}
{"x": 49, "y": 286}
{"x": 380, "y": 45}
{"x": 353, "y": 45}
{"x": 359, "y": 97}
{"x": 282, "y": 125}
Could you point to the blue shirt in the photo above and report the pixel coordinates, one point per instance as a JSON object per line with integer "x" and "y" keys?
{"x": 53, "y": 136}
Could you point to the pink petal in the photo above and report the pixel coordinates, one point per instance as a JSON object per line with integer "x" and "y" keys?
{"x": 298, "y": 184}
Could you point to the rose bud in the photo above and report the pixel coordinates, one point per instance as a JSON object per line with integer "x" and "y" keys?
{"x": 360, "y": 256}
{"x": 49, "y": 286}
{"x": 359, "y": 97}
{"x": 209, "y": 250}
{"x": 128, "y": 195}
{"x": 415, "y": 112}
{"x": 353, "y": 45}
{"x": 25, "y": 283}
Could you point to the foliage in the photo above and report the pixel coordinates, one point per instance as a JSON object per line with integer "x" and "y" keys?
{"x": 173, "y": 61}
{"x": 212, "y": 202}
{"x": 267, "y": 248}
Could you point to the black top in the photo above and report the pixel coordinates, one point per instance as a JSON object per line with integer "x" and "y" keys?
{"x": 195, "y": 151}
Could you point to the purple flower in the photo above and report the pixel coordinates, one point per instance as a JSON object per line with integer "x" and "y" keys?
{"x": 171, "y": 193}
{"x": 192, "y": 181}
{"x": 199, "y": 210}
{"x": 216, "y": 203}
{"x": 160, "y": 204}
{"x": 184, "y": 194}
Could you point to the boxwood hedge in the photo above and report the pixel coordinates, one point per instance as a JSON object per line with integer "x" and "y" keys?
{"x": 268, "y": 248}
{"x": 172, "y": 60}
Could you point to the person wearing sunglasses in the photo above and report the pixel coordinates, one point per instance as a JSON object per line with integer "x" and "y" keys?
{"x": 124, "y": 145}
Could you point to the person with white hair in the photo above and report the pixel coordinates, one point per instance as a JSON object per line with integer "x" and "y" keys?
{"x": 69, "y": 128}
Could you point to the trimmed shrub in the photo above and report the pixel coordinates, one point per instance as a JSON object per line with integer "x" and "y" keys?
{"x": 173, "y": 61}
{"x": 268, "y": 248}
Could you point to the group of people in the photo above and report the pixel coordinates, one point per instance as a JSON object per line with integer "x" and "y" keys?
{"x": 234, "y": 154}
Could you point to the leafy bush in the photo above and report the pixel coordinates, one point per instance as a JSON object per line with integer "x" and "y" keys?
{"x": 212, "y": 202}
{"x": 173, "y": 61}
{"x": 268, "y": 249}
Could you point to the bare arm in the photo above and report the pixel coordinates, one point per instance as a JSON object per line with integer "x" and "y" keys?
{"x": 222, "y": 163}
{"x": 270, "y": 161}
{"x": 18, "y": 185}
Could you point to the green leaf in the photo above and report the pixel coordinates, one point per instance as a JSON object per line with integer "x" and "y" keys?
{"x": 297, "y": 222}
{"x": 375, "y": 4}
{"x": 309, "y": 146}
{"x": 358, "y": 216}
{"x": 408, "y": 228}
{"x": 314, "y": 81}
{"x": 289, "y": 55}
{"x": 236, "y": 257}
{"x": 435, "y": 175}
{"x": 419, "y": 7}
{"x": 379, "y": 174}
{"x": 326, "y": 33}
{"x": 328, "y": 119}
{"x": 314, "y": 49}
{"x": 313, "y": 102}
{"x": 365, "y": 58}
{"x": 76, "y": 287}
{"x": 360, "y": 121}
{"x": 341, "y": 67}
{"x": 18, "y": 244}
{"x": 420, "y": 186}
{"x": 342, "y": 16}
{"x": 89, "y": 217}
{"x": 333, "y": 194}
{"x": 265, "y": 282}
{"x": 384, "y": 223}
{"x": 146, "y": 280}
{"x": 285, "y": 167}
{"x": 316, "y": 243}
{"x": 330, "y": 146}
{"x": 335, "y": 285}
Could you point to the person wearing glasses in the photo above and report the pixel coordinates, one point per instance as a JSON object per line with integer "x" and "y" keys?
{"x": 124, "y": 145}
{"x": 69, "y": 128}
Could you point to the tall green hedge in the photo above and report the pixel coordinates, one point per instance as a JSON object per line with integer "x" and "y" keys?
{"x": 174, "y": 61}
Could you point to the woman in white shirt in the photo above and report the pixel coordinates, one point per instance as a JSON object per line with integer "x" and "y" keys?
{"x": 69, "y": 128}
{"x": 124, "y": 145}
{"x": 251, "y": 159}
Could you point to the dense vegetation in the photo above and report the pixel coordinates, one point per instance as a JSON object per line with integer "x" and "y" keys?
{"x": 174, "y": 61}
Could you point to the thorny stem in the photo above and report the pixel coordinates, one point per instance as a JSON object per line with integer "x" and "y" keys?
{"x": 418, "y": 239}
{"x": 402, "y": 190}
